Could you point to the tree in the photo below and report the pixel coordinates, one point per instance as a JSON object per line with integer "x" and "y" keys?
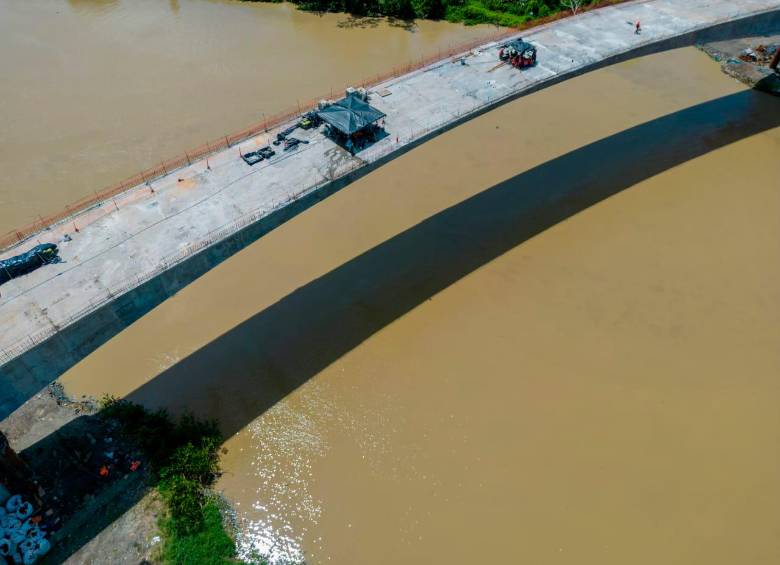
{"x": 573, "y": 5}
{"x": 401, "y": 9}
{"x": 429, "y": 9}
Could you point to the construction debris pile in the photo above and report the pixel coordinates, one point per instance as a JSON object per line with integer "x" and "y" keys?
{"x": 753, "y": 60}
{"x": 21, "y": 538}
{"x": 761, "y": 55}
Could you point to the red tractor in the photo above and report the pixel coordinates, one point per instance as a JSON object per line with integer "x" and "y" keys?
{"x": 518, "y": 53}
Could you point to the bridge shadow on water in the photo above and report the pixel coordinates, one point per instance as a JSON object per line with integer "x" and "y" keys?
{"x": 247, "y": 370}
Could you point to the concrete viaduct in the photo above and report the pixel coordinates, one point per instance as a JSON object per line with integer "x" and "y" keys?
{"x": 133, "y": 252}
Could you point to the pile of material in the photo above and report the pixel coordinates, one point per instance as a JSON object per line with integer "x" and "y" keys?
{"x": 21, "y": 539}
{"x": 751, "y": 60}
{"x": 761, "y": 55}
{"x": 27, "y": 262}
{"x": 293, "y": 142}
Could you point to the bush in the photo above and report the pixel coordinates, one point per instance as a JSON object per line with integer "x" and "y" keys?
{"x": 474, "y": 12}
{"x": 429, "y": 9}
{"x": 152, "y": 432}
{"x": 184, "y": 499}
{"x": 184, "y": 457}
{"x": 401, "y": 9}
{"x": 500, "y": 12}
{"x": 209, "y": 546}
{"x": 196, "y": 463}
{"x": 156, "y": 433}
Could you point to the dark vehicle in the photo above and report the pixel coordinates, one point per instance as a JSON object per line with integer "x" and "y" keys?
{"x": 280, "y": 137}
{"x": 27, "y": 262}
{"x": 292, "y": 143}
{"x": 254, "y": 157}
{"x": 518, "y": 53}
{"x": 266, "y": 152}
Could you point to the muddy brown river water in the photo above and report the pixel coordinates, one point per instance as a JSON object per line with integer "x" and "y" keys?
{"x": 402, "y": 383}
{"x": 94, "y": 91}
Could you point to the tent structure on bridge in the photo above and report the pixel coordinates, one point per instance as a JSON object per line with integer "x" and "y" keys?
{"x": 350, "y": 115}
{"x": 352, "y": 122}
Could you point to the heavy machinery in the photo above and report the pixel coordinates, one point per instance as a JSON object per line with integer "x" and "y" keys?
{"x": 309, "y": 120}
{"x": 518, "y": 53}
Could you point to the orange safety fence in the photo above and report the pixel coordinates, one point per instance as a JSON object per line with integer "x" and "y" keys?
{"x": 188, "y": 157}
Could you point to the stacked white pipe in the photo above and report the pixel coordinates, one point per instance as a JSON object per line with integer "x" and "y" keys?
{"x": 21, "y": 540}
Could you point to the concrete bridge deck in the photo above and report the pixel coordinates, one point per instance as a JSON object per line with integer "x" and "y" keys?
{"x": 132, "y": 252}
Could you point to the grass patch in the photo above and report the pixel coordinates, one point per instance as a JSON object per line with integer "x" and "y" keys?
{"x": 209, "y": 545}
{"x": 183, "y": 455}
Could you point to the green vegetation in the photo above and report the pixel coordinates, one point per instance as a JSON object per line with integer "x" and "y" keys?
{"x": 510, "y": 13}
{"x": 209, "y": 545}
{"x": 184, "y": 458}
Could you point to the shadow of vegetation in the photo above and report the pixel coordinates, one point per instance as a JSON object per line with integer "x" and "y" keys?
{"x": 370, "y": 22}
{"x": 407, "y": 25}
{"x": 361, "y": 22}
{"x": 247, "y": 370}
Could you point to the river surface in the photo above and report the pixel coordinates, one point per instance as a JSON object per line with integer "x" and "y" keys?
{"x": 94, "y": 91}
{"x": 603, "y": 392}
{"x": 601, "y": 389}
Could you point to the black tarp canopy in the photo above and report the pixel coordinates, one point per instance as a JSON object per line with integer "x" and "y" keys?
{"x": 19, "y": 265}
{"x": 350, "y": 114}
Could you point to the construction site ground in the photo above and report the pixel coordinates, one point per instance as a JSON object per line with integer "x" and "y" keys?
{"x": 89, "y": 518}
{"x": 747, "y": 59}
